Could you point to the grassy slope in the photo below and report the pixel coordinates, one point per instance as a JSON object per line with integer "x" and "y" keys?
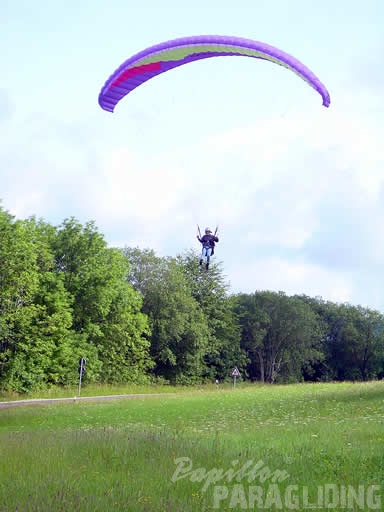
{"x": 121, "y": 455}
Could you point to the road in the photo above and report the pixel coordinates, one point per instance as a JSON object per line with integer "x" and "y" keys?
{"x": 49, "y": 401}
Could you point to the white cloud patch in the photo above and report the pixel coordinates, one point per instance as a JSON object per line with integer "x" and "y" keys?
{"x": 299, "y": 199}
{"x": 291, "y": 277}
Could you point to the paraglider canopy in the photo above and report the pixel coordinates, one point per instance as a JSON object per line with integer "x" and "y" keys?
{"x": 168, "y": 55}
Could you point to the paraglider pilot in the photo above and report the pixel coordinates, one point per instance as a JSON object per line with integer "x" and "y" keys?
{"x": 208, "y": 242}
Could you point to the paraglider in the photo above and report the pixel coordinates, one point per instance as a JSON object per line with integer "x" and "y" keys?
{"x": 171, "y": 54}
{"x": 165, "y": 56}
{"x": 208, "y": 245}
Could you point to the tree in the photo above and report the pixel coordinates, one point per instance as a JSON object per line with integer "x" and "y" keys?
{"x": 368, "y": 352}
{"x": 210, "y": 290}
{"x": 106, "y": 310}
{"x": 18, "y": 283}
{"x": 281, "y": 335}
{"x": 39, "y": 320}
{"x": 123, "y": 344}
{"x": 355, "y": 340}
{"x": 253, "y": 321}
{"x": 179, "y": 334}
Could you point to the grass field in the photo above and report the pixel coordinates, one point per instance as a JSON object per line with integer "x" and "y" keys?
{"x": 296, "y": 447}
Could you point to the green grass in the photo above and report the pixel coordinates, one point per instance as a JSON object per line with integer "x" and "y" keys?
{"x": 120, "y": 455}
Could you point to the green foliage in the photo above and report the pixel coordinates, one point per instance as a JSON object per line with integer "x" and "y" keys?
{"x": 32, "y": 323}
{"x": 281, "y": 334}
{"x": 63, "y": 296}
{"x": 137, "y": 317}
{"x": 210, "y": 291}
{"x": 179, "y": 334}
{"x": 353, "y": 341}
{"x": 105, "y": 307}
{"x": 123, "y": 344}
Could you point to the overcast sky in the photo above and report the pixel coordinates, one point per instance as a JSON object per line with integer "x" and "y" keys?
{"x": 296, "y": 188}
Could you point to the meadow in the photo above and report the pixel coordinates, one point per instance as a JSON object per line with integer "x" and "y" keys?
{"x": 255, "y": 447}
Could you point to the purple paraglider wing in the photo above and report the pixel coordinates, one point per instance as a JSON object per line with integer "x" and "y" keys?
{"x": 168, "y": 55}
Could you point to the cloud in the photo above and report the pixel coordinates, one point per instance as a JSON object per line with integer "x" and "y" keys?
{"x": 298, "y": 198}
{"x": 306, "y": 204}
{"x": 46, "y": 166}
{"x": 281, "y": 185}
{"x": 136, "y": 200}
{"x": 291, "y": 277}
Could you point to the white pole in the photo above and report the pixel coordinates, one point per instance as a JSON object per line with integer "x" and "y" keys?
{"x": 81, "y": 374}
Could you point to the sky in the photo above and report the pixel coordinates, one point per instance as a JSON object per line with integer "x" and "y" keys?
{"x": 296, "y": 189}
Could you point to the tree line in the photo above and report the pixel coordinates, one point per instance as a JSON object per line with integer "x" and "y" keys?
{"x": 138, "y": 317}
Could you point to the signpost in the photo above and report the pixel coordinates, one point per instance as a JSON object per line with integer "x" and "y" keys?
{"x": 235, "y": 373}
{"x": 82, "y": 363}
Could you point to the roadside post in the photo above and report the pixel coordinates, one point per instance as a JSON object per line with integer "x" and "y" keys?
{"x": 235, "y": 373}
{"x": 82, "y": 363}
